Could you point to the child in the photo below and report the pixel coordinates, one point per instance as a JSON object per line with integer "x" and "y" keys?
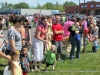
{"x": 96, "y": 30}
{"x": 51, "y": 57}
{"x": 49, "y": 41}
{"x": 13, "y": 65}
{"x": 48, "y": 46}
{"x": 77, "y": 35}
{"x": 95, "y": 44}
{"x": 24, "y": 61}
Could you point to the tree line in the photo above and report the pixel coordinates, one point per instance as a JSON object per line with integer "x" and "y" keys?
{"x": 48, "y": 5}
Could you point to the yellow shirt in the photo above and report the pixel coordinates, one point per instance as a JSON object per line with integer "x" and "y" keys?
{"x": 49, "y": 45}
{"x": 18, "y": 70}
{"x": 49, "y": 30}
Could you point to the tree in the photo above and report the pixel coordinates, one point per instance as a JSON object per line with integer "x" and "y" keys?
{"x": 10, "y": 5}
{"x": 68, "y": 4}
{"x": 48, "y": 5}
{"x": 21, "y": 5}
{"x": 2, "y": 5}
{"x": 58, "y": 7}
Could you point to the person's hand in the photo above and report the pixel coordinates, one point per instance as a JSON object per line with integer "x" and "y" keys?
{"x": 6, "y": 42}
{"x": 8, "y": 58}
{"x": 30, "y": 43}
{"x": 2, "y": 36}
{"x": 28, "y": 70}
{"x": 45, "y": 41}
{"x": 61, "y": 31}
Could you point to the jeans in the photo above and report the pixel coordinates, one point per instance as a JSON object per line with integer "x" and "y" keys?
{"x": 75, "y": 43}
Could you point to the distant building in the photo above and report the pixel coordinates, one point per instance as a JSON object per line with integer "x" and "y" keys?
{"x": 91, "y": 7}
{"x": 28, "y": 11}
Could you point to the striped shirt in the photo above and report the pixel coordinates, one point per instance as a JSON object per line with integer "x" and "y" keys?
{"x": 14, "y": 35}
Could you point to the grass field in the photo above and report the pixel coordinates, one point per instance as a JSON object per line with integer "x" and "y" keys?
{"x": 88, "y": 64}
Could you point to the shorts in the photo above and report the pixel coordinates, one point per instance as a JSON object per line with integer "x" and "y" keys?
{"x": 47, "y": 64}
{"x": 24, "y": 73}
{"x": 58, "y": 45}
{"x": 7, "y": 52}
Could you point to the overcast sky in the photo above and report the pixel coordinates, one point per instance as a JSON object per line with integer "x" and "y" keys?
{"x": 34, "y": 2}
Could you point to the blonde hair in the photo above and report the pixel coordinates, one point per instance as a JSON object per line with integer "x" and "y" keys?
{"x": 53, "y": 48}
{"x": 96, "y": 36}
{"x": 12, "y": 53}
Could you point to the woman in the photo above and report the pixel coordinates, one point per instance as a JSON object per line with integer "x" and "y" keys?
{"x": 74, "y": 41}
{"x": 38, "y": 42}
{"x": 21, "y": 30}
{"x": 27, "y": 31}
{"x": 14, "y": 37}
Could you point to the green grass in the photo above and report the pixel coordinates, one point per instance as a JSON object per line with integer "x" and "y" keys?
{"x": 88, "y": 64}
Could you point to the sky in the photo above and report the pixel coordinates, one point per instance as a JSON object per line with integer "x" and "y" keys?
{"x": 41, "y": 2}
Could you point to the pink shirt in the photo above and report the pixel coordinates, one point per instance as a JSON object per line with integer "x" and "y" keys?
{"x": 42, "y": 30}
{"x": 65, "y": 28}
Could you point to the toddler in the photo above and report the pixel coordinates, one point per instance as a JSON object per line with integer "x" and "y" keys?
{"x": 24, "y": 60}
{"x": 51, "y": 57}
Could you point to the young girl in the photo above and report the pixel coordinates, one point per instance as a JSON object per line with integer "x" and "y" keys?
{"x": 13, "y": 66}
{"x": 51, "y": 57}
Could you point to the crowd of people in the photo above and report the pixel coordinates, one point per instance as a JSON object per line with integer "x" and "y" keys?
{"x": 24, "y": 50}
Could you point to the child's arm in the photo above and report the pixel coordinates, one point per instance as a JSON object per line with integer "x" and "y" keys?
{"x": 13, "y": 69}
{"x": 28, "y": 67}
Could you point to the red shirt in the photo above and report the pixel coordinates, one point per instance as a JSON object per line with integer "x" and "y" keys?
{"x": 57, "y": 27}
{"x": 42, "y": 30}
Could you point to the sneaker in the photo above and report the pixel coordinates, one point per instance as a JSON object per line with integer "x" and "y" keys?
{"x": 59, "y": 59}
{"x": 41, "y": 68}
{"x": 36, "y": 70}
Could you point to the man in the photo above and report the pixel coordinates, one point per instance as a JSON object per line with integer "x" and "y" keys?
{"x": 57, "y": 37}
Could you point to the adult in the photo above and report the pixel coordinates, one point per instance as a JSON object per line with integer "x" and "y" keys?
{"x": 14, "y": 37}
{"x": 36, "y": 19}
{"x": 3, "y": 21}
{"x": 27, "y": 32}
{"x": 38, "y": 42}
{"x": 3, "y": 55}
{"x": 74, "y": 41}
{"x": 27, "y": 35}
{"x": 21, "y": 30}
{"x": 57, "y": 36}
{"x": 2, "y": 39}
{"x": 49, "y": 23}
{"x": 84, "y": 25}
{"x": 65, "y": 27}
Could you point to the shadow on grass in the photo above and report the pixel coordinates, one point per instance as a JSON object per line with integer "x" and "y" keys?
{"x": 63, "y": 57}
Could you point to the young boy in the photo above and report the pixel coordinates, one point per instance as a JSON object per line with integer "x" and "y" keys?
{"x": 24, "y": 61}
{"x": 51, "y": 57}
{"x": 95, "y": 44}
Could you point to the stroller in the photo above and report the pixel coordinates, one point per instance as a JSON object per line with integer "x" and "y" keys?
{"x": 66, "y": 45}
